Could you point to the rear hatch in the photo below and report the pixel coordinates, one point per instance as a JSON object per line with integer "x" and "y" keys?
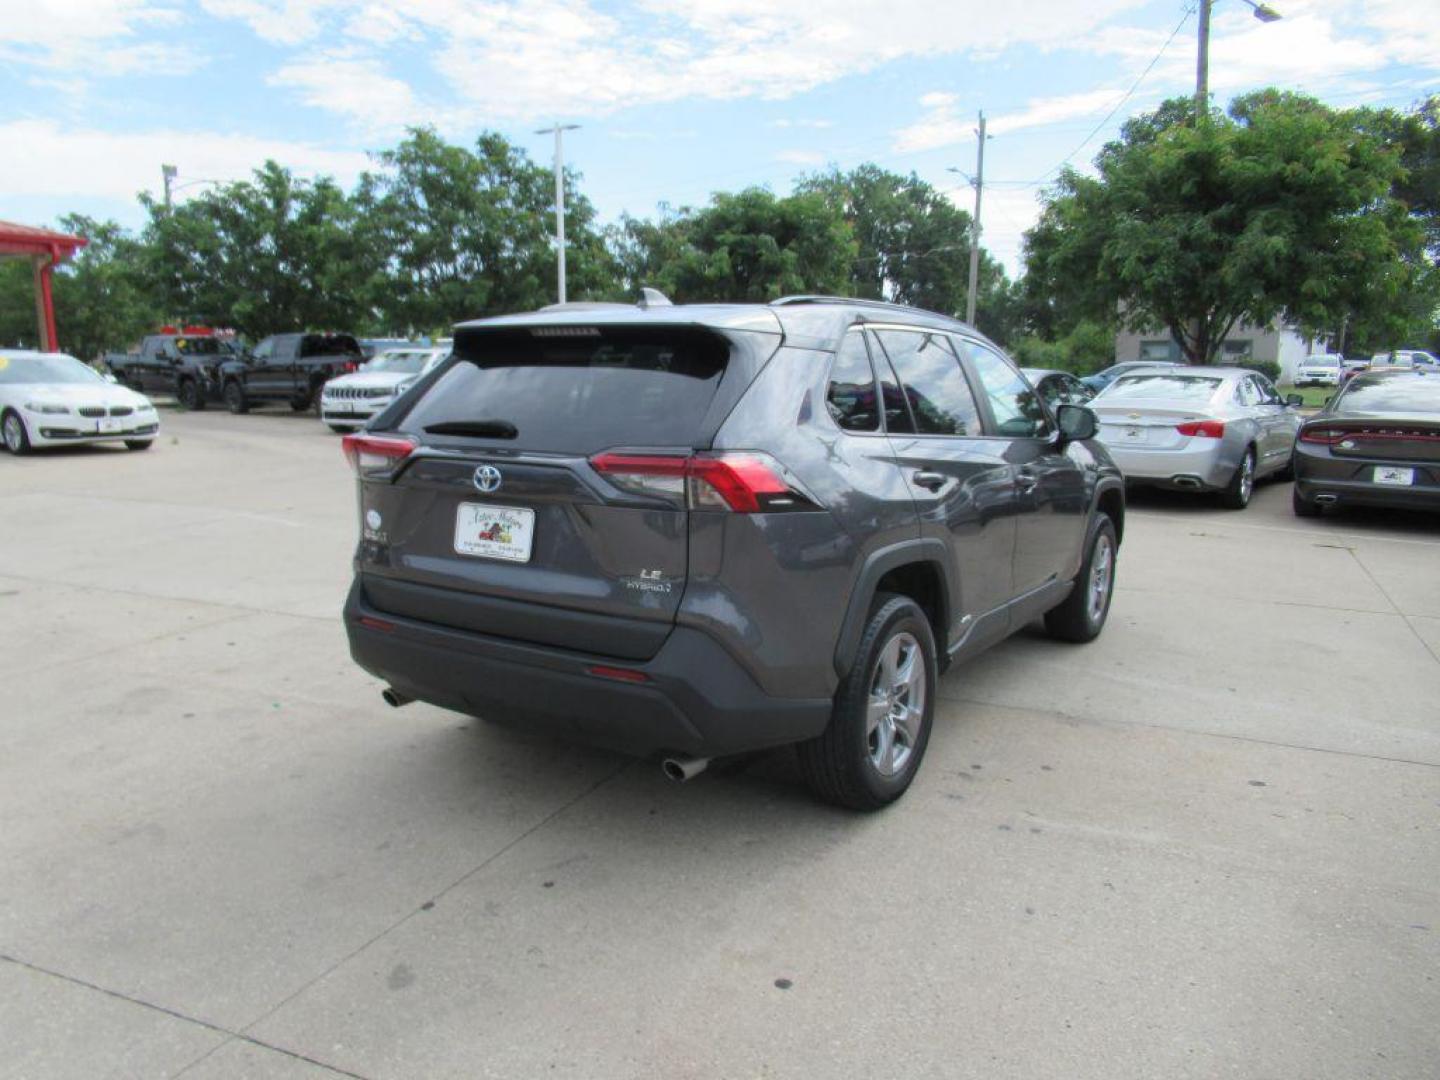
{"x": 506, "y": 518}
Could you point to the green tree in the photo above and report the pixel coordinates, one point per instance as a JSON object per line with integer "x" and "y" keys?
{"x": 461, "y": 234}
{"x": 914, "y": 246}
{"x": 17, "y": 304}
{"x": 103, "y": 300}
{"x": 1280, "y": 208}
{"x": 746, "y": 246}
{"x": 264, "y": 255}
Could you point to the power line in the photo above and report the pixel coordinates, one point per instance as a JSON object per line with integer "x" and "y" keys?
{"x": 1128, "y": 95}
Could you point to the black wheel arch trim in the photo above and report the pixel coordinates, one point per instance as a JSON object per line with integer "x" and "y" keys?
{"x": 928, "y": 550}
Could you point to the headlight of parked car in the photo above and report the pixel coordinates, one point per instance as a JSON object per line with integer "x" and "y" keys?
{"x": 47, "y": 407}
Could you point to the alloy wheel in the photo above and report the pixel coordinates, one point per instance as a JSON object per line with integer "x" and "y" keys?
{"x": 895, "y": 712}
{"x": 14, "y": 436}
{"x": 1102, "y": 566}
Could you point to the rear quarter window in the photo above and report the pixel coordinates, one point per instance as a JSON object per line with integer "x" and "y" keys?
{"x": 576, "y": 390}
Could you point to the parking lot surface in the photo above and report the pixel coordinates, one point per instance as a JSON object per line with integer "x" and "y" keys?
{"x": 1206, "y": 845}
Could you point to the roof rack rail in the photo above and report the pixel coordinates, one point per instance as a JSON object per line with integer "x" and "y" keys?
{"x": 584, "y": 305}
{"x": 805, "y": 298}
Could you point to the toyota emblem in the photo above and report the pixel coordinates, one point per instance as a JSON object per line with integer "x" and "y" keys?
{"x": 487, "y": 479}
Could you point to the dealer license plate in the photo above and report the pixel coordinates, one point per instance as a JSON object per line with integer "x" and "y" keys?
{"x": 494, "y": 532}
{"x": 1134, "y": 434}
{"x": 107, "y": 425}
{"x": 1385, "y": 474}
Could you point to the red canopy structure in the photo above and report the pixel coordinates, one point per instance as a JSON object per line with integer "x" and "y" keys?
{"x": 45, "y": 249}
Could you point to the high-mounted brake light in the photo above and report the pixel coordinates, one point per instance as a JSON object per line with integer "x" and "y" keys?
{"x": 369, "y": 454}
{"x": 1205, "y": 429}
{"x": 745, "y": 483}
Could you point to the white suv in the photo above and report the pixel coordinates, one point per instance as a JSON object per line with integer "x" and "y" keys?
{"x": 350, "y": 401}
{"x": 1322, "y": 369}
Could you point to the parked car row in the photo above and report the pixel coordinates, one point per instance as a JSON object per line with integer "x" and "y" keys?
{"x": 202, "y": 370}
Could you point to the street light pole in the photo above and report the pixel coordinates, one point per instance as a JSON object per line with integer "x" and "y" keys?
{"x": 1264, "y": 12}
{"x": 559, "y": 130}
{"x": 974, "y": 281}
{"x": 168, "y": 174}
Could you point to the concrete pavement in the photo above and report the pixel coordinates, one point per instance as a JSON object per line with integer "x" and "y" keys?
{"x": 1205, "y": 845}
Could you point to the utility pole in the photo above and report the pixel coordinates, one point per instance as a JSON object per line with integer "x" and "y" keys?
{"x": 975, "y": 229}
{"x": 559, "y": 130}
{"x": 1202, "y": 63}
{"x": 168, "y": 174}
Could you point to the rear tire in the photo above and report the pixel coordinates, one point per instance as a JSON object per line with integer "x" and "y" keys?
{"x": 12, "y": 428}
{"x": 189, "y": 396}
{"x": 1236, "y": 495}
{"x": 235, "y": 399}
{"x": 1302, "y": 506}
{"x": 880, "y": 725}
{"x": 1081, "y": 616}
{"x": 299, "y": 404}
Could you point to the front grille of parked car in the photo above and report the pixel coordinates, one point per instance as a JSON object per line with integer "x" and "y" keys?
{"x": 121, "y": 410}
{"x": 346, "y": 392}
{"x": 91, "y": 410}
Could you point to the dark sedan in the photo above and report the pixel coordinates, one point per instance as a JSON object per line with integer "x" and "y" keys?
{"x": 1058, "y": 388}
{"x": 1377, "y": 443}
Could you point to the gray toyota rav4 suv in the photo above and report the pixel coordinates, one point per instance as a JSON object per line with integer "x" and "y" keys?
{"x": 702, "y": 530}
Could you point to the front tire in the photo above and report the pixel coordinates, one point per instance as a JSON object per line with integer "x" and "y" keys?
{"x": 12, "y": 428}
{"x": 189, "y": 396}
{"x": 235, "y": 399}
{"x": 138, "y": 444}
{"x": 880, "y": 725}
{"x": 1081, "y": 616}
{"x": 1236, "y": 495}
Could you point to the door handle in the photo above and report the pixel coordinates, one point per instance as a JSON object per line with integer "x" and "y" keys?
{"x": 931, "y": 481}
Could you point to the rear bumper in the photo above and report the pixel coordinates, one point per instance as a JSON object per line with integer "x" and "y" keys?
{"x": 1367, "y": 493}
{"x": 697, "y": 700}
{"x": 1203, "y": 468}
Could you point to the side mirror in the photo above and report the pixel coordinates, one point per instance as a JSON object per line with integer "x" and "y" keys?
{"x": 1292, "y": 400}
{"x": 1077, "y": 423}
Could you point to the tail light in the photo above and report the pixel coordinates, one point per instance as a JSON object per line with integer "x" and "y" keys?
{"x": 745, "y": 483}
{"x": 1205, "y": 429}
{"x": 372, "y": 454}
{"x": 1321, "y": 435}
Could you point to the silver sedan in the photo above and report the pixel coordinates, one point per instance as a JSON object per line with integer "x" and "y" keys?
{"x": 1198, "y": 429}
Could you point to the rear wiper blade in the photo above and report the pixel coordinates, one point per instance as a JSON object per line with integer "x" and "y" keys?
{"x": 481, "y": 429}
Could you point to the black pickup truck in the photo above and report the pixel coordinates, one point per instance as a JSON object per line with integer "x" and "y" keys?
{"x": 185, "y": 365}
{"x": 287, "y": 367}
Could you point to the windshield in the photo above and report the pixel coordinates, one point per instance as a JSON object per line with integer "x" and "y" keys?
{"x": 200, "y": 346}
{"x": 399, "y": 362}
{"x": 576, "y": 393}
{"x": 1322, "y": 361}
{"x": 57, "y": 368}
{"x": 1134, "y": 388}
{"x": 1409, "y": 395}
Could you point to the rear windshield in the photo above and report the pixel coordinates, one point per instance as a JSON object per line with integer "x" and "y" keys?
{"x": 1412, "y": 395}
{"x": 595, "y": 390}
{"x": 1161, "y": 388}
{"x": 329, "y": 345}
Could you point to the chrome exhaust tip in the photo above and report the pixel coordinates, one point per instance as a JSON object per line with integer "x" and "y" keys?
{"x": 394, "y": 698}
{"x": 1189, "y": 483}
{"x": 1325, "y": 498}
{"x": 681, "y": 769}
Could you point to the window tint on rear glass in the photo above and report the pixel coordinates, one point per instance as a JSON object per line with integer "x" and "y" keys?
{"x": 1017, "y": 409}
{"x": 1188, "y": 388}
{"x": 935, "y": 387}
{"x": 1410, "y": 395}
{"x": 850, "y": 396}
{"x": 590, "y": 390}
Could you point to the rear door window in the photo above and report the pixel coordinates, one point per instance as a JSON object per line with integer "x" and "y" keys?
{"x": 573, "y": 390}
{"x": 851, "y": 396}
{"x": 939, "y": 397}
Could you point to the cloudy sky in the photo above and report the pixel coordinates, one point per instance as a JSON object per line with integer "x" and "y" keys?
{"x": 676, "y": 98}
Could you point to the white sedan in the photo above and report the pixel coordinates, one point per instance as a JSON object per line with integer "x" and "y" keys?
{"x": 349, "y": 401}
{"x": 50, "y": 399}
